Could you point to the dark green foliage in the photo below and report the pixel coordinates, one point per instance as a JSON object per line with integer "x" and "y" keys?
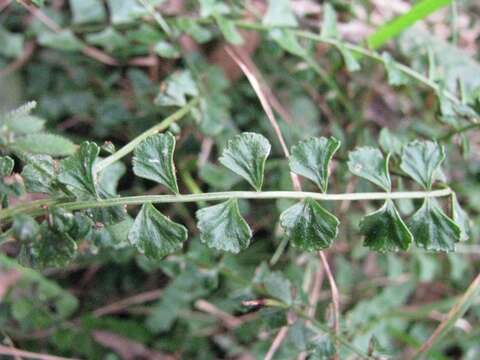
{"x": 311, "y": 159}
{"x": 309, "y": 226}
{"x": 144, "y": 125}
{"x": 223, "y": 227}
{"x": 384, "y": 229}
{"x": 245, "y": 155}
{"x": 153, "y": 160}
{"x": 432, "y": 229}
{"x": 155, "y": 235}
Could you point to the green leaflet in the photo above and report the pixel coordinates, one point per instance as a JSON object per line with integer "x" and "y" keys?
{"x": 309, "y": 226}
{"x": 369, "y": 163}
{"x": 222, "y": 227}
{"x": 288, "y": 41}
{"x": 310, "y": 158}
{"x": 275, "y": 283}
{"x": 166, "y": 50}
{"x": 6, "y": 165}
{"x": 245, "y": 155}
{"x": 329, "y": 22}
{"x": 153, "y": 160}
{"x": 390, "y": 143}
{"x": 26, "y": 124}
{"x": 12, "y": 43}
{"x": 17, "y": 114}
{"x": 87, "y": 11}
{"x": 39, "y": 174}
{"x": 384, "y": 229}
{"x": 43, "y": 143}
{"x": 12, "y": 186}
{"x": 279, "y": 13}
{"x": 47, "y": 294}
{"x": 432, "y": 229}
{"x": 229, "y": 30}
{"x": 213, "y": 7}
{"x": 63, "y": 40}
{"x": 52, "y": 249}
{"x": 113, "y": 236}
{"x": 176, "y": 88}
{"x": 77, "y": 172}
{"x": 25, "y": 228}
{"x": 109, "y": 38}
{"x": 461, "y": 218}
{"x": 155, "y": 235}
{"x": 421, "y": 159}
{"x": 350, "y": 61}
{"x": 395, "y": 76}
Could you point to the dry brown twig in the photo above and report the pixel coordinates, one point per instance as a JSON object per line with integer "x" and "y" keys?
{"x": 126, "y": 348}
{"x": 7, "y": 279}
{"x": 335, "y": 294}
{"x": 9, "y": 351}
{"x": 246, "y": 67}
{"x": 120, "y": 305}
{"x": 229, "y": 321}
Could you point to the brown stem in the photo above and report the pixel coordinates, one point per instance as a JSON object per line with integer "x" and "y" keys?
{"x": 335, "y": 294}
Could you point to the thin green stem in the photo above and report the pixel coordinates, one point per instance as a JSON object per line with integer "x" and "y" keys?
{"x": 157, "y": 16}
{"x": 220, "y": 196}
{"x": 461, "y": 130}
{"x": 177, "y": 115}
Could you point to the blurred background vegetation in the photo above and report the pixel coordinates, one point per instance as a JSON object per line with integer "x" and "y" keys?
{"x": 106, "y": 71}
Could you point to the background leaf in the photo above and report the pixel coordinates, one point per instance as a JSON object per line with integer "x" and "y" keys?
{"x": 155, "y": 235}
{"x": 153, "y": 160}
{"x": 309, "y": 226}
{"x": 245, "y": 155}
{"x": 329, "y": 22}
{"x": 222, "y": 227}
{"x": 45, "y": 144}
{"x": 310, "y": 158}
{"x": 279, "y": 13}
{"x": 391, "y": 29}
{"x": 87, "y": 11}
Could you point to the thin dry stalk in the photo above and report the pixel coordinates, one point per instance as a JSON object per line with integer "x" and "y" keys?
{"x": 4, "y": 4}
{"x": 243, "y": 63}
{"x": 229, "y": 321}
{"x": 90, "y": 51}
{"x": 4, "y": 350}
{"x": 335, "y": 294}
{"x": 460, "y": 307}
{"x": 281, "y": 335}
{"x": 120, "y": 305}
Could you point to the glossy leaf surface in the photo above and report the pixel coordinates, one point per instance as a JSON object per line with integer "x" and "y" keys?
{"x": 153, "y": 160}
{"x": 461, "y": 218}
{"x": 222, "y": 227}
{"x": 155, "y": 235}
{"x": 245, "y": 155}
{"x": 309, "y": 226}
{"x": 369, "y": 163}
{"x": 77, "y": 171}
{"x": 384, "y": 229}
{"x": 310, "y": 158}
{"x": 432, "y": 229}
{"x": 421, "y": 159}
